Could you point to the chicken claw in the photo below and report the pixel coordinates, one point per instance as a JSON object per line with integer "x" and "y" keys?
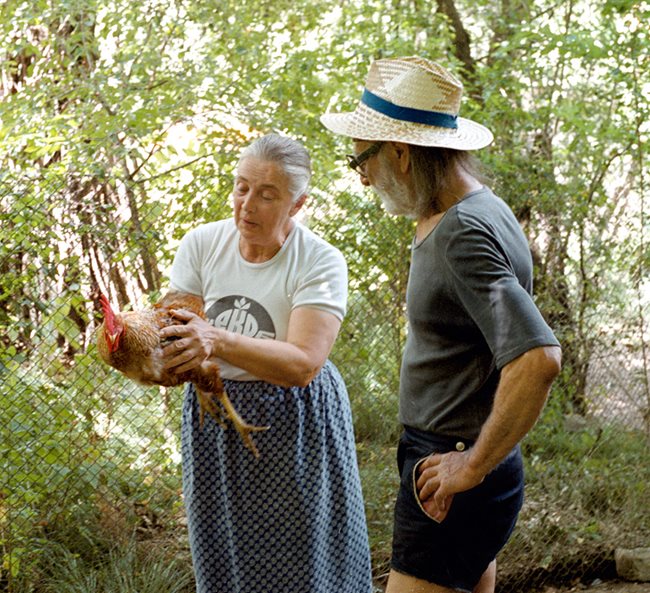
{"x": 208, "y": 404}
{"x": 243, "y": 428}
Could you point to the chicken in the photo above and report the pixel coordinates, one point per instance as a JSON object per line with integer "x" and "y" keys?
{"x": 129, "y": 342}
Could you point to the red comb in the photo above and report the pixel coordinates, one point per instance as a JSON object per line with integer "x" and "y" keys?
{"x": 109, "y": 316}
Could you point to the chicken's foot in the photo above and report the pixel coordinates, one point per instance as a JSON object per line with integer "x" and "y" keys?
{"x": 243, "y": 428}
{"x": 213, "y": 406}
{"x": 208, "y": 404}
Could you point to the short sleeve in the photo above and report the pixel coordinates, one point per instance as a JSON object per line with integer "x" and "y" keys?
{"x": 185, "y": 274}
{"x": 324, "y": 282}
{"x": 487, "y": 284}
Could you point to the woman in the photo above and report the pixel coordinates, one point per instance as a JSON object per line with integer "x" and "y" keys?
{"x": 275, "y": 295}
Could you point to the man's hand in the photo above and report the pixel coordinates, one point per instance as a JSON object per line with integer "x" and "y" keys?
{"x": 523, "y": 388}
{"x": 440, "y": 477}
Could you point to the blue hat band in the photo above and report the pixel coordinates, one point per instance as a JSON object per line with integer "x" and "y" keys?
{"x": 418, "y": 116}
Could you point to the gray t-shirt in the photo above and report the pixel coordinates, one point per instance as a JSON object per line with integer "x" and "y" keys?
{"x": 470, "y": 312}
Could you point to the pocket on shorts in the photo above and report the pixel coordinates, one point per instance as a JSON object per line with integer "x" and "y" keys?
{"x": 414, "y": 481}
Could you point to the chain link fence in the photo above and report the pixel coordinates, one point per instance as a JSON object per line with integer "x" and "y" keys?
{"x": 90, "y": 462}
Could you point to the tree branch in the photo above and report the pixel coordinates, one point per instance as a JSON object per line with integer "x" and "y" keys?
{"x": 463, "y": 41}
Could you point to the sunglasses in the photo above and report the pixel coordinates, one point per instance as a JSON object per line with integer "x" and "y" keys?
{"x": 355, "y": 162}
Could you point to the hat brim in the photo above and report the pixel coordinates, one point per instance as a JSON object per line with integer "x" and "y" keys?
{"x": 367, "y": 124}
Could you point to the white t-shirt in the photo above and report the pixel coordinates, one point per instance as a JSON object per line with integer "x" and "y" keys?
{"x": 256, "y": 299}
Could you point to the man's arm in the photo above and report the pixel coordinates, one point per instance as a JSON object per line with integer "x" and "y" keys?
{"x": 522, "y": 392}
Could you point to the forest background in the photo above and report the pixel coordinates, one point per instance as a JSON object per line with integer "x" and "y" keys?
{"x": 120, "y": 123}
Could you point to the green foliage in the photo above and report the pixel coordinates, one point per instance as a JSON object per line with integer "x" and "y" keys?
{"x": 120, "y": 125}
{"x": 380, "y": 482}
{"x": 369, "y": 351}
{"x": 600, "y": 475}
{"x": 72, "y": 445}
{"x": 122, "y": 570}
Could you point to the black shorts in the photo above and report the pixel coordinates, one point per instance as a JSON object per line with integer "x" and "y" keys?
{"x": 457, "y": 551}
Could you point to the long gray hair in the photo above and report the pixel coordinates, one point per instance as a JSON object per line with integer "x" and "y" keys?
{"x": 433, "y": 170}
{"x": 290, "y": 154}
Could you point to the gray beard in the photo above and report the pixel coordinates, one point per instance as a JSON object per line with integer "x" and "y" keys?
{"x": 396, "y": 199}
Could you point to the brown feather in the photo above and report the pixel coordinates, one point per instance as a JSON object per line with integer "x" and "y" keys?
{"x": 140, "y": 357}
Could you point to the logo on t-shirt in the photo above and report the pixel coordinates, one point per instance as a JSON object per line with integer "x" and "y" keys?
{"x": 241, "y": 315}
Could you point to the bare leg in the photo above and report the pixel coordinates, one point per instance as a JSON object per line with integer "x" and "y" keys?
{"x": 402, "y": 583}
{"x": 488, "y": 581}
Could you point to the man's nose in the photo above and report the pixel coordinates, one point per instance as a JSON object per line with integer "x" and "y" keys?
{"x": 364, "y": 180}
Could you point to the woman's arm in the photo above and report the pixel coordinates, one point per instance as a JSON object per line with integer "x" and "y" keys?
{"x": 295, "y": 362}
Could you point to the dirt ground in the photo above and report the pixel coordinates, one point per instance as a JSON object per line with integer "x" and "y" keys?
{"x": 602, "y": 587}
{"x": 596, "y": 586}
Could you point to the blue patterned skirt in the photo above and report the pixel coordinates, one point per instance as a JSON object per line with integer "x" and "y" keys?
{"x": 290, "y": 521}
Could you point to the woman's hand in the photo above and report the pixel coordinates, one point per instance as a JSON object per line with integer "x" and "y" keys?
{"x": 193, "y": 343}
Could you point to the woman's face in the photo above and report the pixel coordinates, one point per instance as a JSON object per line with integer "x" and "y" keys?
{"x": 263, "y": 204}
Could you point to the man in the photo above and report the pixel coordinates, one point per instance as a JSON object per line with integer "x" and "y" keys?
{"x": 479, "y": 359}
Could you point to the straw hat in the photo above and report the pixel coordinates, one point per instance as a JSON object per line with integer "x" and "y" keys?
{"x": 411, "y": 100}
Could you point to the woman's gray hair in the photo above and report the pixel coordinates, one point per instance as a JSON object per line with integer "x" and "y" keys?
{"x": 290, "y": 154}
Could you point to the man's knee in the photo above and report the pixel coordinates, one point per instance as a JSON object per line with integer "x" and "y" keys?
{"x": 488, "y": 581}
{"x": 403, "y": 583}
